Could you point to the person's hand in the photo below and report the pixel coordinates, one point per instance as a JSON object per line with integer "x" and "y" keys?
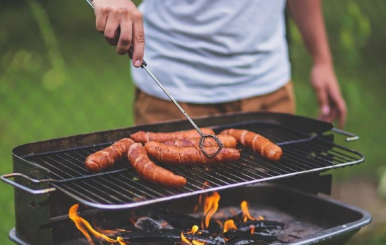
{"x": 331, "y": 103}
{"x": 123, "y": 14}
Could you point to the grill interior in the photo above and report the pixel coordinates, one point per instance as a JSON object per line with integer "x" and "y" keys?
{"x": 120, "y": 187}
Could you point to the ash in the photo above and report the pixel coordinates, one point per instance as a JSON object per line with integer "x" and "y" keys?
{"x": 148, "y": 224}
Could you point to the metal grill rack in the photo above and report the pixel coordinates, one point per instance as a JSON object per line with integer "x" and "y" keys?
{"x": 120, "y": 187}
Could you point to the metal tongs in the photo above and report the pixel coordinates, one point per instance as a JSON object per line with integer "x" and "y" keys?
{"x": 203, "y": 136}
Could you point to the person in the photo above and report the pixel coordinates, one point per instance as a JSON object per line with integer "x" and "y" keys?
{"x": 219, "y": 56}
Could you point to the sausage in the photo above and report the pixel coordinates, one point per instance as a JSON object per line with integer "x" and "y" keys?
{"x": 227, "y": 141}
{"x": 149, "y": 171}
{"x": 144, "y": 137}
{"x": 189, "y": 155}
{"x": 105, "y": 158}
{"x": 256, "y": 142}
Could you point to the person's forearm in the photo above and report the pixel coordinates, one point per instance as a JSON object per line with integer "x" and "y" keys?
{"x": 309, "y": 19}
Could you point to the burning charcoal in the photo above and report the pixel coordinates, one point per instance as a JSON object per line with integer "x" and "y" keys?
{"x": 231, "y": 234}
{"x": 241, "y": 241}
{"x": 219, "y": 240}
{"x": 183, "y": 221}
{"x": 168, "y": 236}
{"x": 237, "y": 217}
{"x": 148, "y": 224}
{"x": 178, "y": 220}
{"x": 260, "y": 225}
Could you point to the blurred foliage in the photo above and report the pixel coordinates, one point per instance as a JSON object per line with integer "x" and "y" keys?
{"x": 58, "y": 77}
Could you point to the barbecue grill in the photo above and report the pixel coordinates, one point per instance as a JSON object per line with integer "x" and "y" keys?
{"x": 49, "y": 176}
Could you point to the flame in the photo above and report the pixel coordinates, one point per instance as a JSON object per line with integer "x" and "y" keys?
{"x": 184, "y": 239}
{"x": 246, "y": 214}
{"x": 229, "y": 225}
{"x": 210, "y": 207}
{"x": 193, "y": 242}
{"x": 252, "y": 227}
{"x": 200, "y": 197}
{"x": 194, "y": 229}
{"x": 78, "y": 222}
{"x": 83, "y": 225}
{"x": 108, "y": 232}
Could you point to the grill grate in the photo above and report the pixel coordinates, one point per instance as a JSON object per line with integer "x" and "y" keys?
{"x": 121, "y": 187}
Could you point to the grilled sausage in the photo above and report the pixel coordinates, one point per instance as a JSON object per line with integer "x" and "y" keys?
{"x": 144, "y": 137}
{"x": 256, "y": 142}
{"x": 102, "y": 159}
{"x": 149, "y": 171}
{"x": 227, "y": 141}
{"x": 189, "y": 155}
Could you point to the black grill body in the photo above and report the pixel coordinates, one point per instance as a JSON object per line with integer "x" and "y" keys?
{"x": 323, "y": 220}
{"x": 59, "y": 163}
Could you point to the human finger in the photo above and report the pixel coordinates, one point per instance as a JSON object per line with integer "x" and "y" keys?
{"x": 101, "y": 18}
{"x": 340, "y": 107}
{"x": 324, "y": 108}
{"x": 138, "y": 40}
{"x": 111, "y": 29}
{"x": 125, "y": 38}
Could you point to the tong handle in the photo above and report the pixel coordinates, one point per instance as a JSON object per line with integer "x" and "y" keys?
{"x": 352, "y": 137}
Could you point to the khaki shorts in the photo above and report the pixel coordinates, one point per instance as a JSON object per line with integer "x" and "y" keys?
{"x": 149, "y": 109}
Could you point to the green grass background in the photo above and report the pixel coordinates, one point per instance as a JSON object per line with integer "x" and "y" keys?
{"x": 58, "y": 77}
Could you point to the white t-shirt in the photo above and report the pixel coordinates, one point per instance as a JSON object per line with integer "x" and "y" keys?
{"x": 214, "y": 51}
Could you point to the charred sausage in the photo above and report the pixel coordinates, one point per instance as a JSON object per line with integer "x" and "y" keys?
{"x": 189, "y": 155}
{"x": 149, "y": 171}
{"x": 227, "y": 141}
{"x": 144, "y": 137}
{"x": 256, "y": 142}
{"x": 102, "y": 159}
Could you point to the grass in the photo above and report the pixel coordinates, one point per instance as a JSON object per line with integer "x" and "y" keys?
{"x": 89, "y": 88}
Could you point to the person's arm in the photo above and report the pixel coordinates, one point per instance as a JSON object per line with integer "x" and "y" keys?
{"x": 111, "y": 14}
{"x": 308, "y": 17}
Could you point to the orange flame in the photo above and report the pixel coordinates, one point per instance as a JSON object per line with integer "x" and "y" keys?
{"x": 194, "y": 229}
{"x": 252, "y": 227}
{"x": 200, "y": 197}
{"x": 184, "y": 239}
{"x": 85, "y": 227}
{"x": 193, "y": 242}
{"x": 229, "y": 225}
{"x": 210, "y": 207}
{"x": 108, "y": 232}
{"x": 246, "y": 214}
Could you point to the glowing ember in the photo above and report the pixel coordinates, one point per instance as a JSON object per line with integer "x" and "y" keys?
{"x": 252, "y": 227}
{"x": 85, "y": 227}
{"x": 210, "y": 207}
{"x": 164, "y": 224}
{"x": 229, "y": 225}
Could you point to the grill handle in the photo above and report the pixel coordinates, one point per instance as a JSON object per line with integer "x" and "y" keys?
{"x": 352, "y": 137}
{"x": 6, "y": 179}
